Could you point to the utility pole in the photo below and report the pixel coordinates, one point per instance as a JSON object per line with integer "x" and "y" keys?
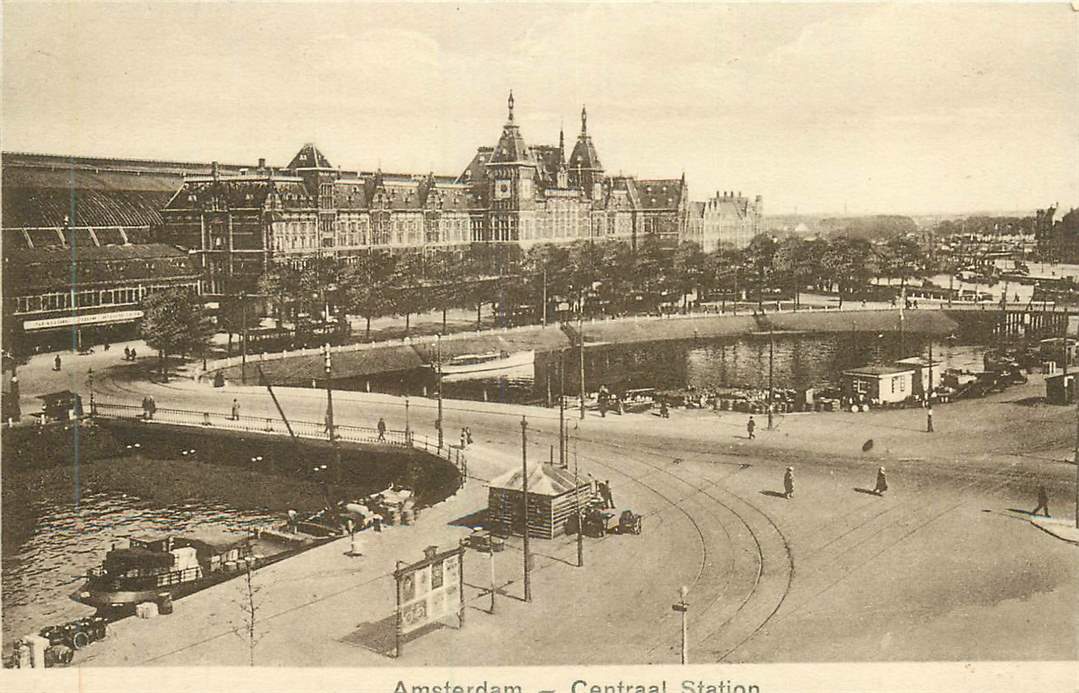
{"x": 682, "y": 606}
{"x": 580, "y": 338}
{"x": 524, "y": 516}
{"x": 243, "y": 337}
{"x": 562, "y": 408}
{"x": 771, "y": 389}
{"x": 327, "y": 367}
{"x": 929, "y": 392}
{"x": 438, "y": 342}
{"x": 90, "y": 380}
{"x": 408, "y": 429}
{"x": 545, "y": 297}
{"x": 577, "y": 502}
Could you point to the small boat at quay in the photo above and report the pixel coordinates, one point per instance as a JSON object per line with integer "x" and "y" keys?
{"x": 490, "y": 361}
{"x": 150, "y": 568}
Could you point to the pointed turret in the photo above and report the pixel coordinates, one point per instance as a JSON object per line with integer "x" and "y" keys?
{"x": 511, "y": 145}
{"x": 586, "y": 171}
{"x": 309, "y": 157}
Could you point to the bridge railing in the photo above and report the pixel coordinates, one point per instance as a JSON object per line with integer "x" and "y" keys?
{"x": 254, "y": 424}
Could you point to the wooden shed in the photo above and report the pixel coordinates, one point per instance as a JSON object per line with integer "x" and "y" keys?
{"x": 551, "y": 501}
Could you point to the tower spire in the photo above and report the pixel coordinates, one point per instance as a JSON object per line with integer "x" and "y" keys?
{"x": 562, "y": 141}
{"x": 510, "y": 102}
{"x": 584, "y": 120}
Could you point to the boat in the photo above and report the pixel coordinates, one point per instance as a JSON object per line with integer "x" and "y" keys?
{"x": 490, "y": 361}
{"x": 151, "y": 568}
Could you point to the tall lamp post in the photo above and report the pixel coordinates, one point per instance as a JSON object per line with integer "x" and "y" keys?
{"x": 580, "y": 338}
{"x": 771, "y": 390}
{"x": 524, "y": 508}
{"x": 438, "y": 342}
{"x": 682, "y": 606}
{"x": 243, "y": 338}
{"x": 90, "y": 382}
{"x": 562, "y": 408}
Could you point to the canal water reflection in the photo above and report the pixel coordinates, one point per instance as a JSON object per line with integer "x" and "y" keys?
{"x": 800, "y": 361}
{"x": 40, "y": 572}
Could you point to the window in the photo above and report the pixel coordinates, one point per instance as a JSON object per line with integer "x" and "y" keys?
{"x": 861, "y": 386}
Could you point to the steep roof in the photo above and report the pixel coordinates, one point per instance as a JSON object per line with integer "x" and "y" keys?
{"x": 660, "y": 193}
{"x": 309, "y": 157}
{"x": 584, "y": 154}
{"x": 28, "y": 269}
{"x": 40, "y": 195}
{"x": 549, "y": 158}
{"x": 543, "y": 480}
{"x": 511, "y": 147}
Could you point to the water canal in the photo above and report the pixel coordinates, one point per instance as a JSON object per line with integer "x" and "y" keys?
{"x": 800, "y": 360}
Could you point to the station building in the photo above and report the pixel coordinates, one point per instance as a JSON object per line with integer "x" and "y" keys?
{"x": 78, "y": 252}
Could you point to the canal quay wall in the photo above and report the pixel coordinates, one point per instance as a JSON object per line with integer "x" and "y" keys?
{"x": 302, "y": 367}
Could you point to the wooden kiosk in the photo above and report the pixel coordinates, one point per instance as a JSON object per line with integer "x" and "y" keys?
{"x": 551, "y": 501}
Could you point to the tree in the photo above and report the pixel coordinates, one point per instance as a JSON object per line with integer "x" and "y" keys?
{"x": 847, "y": 262}
{"x": 902, "y": 258}
{"x": 236, "y": 314}
{"x": 367, "y": 285}
{"x": 759, "y": 258}
{"x": 281, "y": 283}
{"x": 653, "y": 272}
{"x": 795, "y": 264}
{"x": 174, "y": 322}
{"x": 687, "y": 267}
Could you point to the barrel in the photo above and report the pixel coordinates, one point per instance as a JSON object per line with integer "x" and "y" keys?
{"x": 164, "y": 603}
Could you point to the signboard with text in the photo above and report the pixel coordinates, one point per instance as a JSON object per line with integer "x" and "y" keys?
{"x": 429, "y": 589}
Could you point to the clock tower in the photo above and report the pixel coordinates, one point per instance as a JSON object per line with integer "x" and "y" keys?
{"x": 511, "y": 175}
{"x": 585, "y": 169}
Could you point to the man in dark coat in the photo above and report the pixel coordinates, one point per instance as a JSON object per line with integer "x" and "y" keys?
{"x": 788, "y": 483}
{"x": 882, "y": 482}
{"x": 381, "y": 428}
{"x": 1043, "y": 501}
{"x": 751, "y": 425}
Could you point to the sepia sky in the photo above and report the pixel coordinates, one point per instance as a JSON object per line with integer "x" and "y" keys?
{"x": 882, "y": 108}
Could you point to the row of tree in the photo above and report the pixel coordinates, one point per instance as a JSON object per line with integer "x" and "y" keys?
{"x": 609, "y": 278}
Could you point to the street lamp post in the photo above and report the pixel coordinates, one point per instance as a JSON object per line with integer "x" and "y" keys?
{"x": 577, "y": 503}
{"x": 90, "y": 381}
{"x": 682, "y": 606}
{"x": 524, "y": 508}
{"x": 771, "y": 390}
{"x": 438, "y": 342}
{"x": 580, "y": 338}
{"x": 243, "y": 338}
{"x": 408, "y": 429}
{"x": 562, "y": 409}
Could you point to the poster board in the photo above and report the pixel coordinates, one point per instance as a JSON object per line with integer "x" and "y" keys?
{"x": 430, "y": 589}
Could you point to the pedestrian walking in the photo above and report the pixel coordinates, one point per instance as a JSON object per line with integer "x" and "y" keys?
{"x": 751, "y": 426}
{"x": 153, "y": 406}
{"x": 464, "y": 439}
{"x": 608, "y": 497}
{"x": 133, "y": 356}
{"x": 107, "y": 346}
{"x": 235, "y": 409}
{"x": 56, "y": 363}
{"x": 882, "y": 482}
{"x": 1043, "y": 501}
{"x": 929, "y": 419}
{"x": 146, "y": 408}
{"x": 381, "y": 429}
{"x": 127, "y": 353}
{"x": 664, "y": 412}
{"x": 468, "y": 436}
{"x": 788, "y": 483}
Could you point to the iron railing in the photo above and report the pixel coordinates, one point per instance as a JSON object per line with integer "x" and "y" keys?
{"x": 267, "y": 425}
